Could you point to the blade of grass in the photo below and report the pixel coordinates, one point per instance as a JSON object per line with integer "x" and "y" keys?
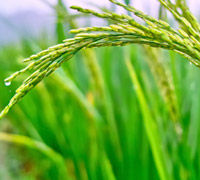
{"x": 151, "y": 127}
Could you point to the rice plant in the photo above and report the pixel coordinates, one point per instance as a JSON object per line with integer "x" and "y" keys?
{"x": 124, "y": 30}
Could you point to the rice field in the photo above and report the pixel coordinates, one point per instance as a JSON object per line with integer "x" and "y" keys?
{"x": 108, "y": 113}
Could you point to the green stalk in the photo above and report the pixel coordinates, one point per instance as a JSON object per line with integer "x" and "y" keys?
{"x": 60, "y": 32}
{"x": 102, "y": 97}
{"x": 151, "y": 128}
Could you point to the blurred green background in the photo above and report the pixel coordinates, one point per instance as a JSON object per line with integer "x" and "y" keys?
{"x": 109, "y": 113}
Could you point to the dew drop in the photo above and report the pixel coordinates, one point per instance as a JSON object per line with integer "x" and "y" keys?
{"x": 7, "y": 83}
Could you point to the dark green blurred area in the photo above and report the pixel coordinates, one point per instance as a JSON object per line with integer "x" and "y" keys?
{"x": 54, "y": 113}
